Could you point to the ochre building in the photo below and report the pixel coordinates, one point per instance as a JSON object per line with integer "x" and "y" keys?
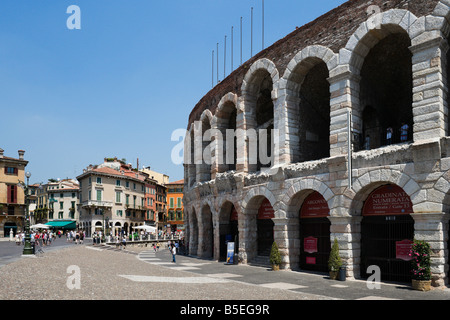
{"x": 358, "y": 99}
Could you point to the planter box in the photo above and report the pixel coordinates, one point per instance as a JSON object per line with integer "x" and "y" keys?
{"x": 421, "y": 285}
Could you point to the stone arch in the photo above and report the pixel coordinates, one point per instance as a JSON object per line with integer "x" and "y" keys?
{"x": 379, "y": 59}
{"x": 248, "y": 203}
{"x": 225, "y": 117}
{"x": 228, "y": 227}
{"x": 370, "y": 32}
{"x": 190, "y": 156}
{"x": 295, "y": 195}
{"x": 375, "y": 178}
{"x": 306, "y": 92}
{"x": 206, "y": 231}
{"x": 259, "y": 91}
{"x": 193, "y": 231}
{"x": 204, "y": 139}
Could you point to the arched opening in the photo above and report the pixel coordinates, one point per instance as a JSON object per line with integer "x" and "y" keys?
{"x": 386, "y": 91}
{"x": 205, "y": 166}
{"x": 264, "y": 122}
{"x": 387, "y": 231}
{"x": 192, "y": 167}
{"x": 314, "y": 112}
{"x": 226, "y": 123}
{"x": 228, "y": 229}
{"x": 207, "y": 233}
{"x": 193, "y": 229}
{"x": 264, "y": 225}
{"x": 315, "y": 244}
{"x": 259, "y": 120}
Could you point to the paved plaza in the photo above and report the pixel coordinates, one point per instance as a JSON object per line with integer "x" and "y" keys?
{"x": 87, "y": 272}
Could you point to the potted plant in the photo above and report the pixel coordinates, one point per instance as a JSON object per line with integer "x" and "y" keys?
{"x": 421, "y": 265}
{"x": 334, "y": 261}
{"x": 275, "y": 257}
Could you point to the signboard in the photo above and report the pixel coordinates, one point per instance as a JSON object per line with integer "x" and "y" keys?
{"x": 230, "y": 253}
{"x": 310, "y": 244}
{"x": 388, "y": 200}
{"x": 310, "y": 260}
{"x": 265, "y": 210}
{"x": 314, "y": 206}
{"x": 402, "y": 249}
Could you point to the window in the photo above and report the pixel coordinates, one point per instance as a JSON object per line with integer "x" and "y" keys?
{"x": 12, "y": 194}
{"x": 11, "y": 170}
{"x": 118, "y": 197}
{"x": 99, "y": 180}
{"x": 73, "y": 194}
{"x": 61, "y": 205}
{"x": 89, "y": 180}
{"x": 118, "y": 183}
{"x": 171, "y": 202}
{"x": 134, "y": 186}
{"x": 61, "y": 195}
{"x": 127, "y": 199}
{"x": 178, "y": 202}
{"x": 89, "y": 195}
{"x": 119, "y": 213}
{"x": 127, "y": 184}
{"x": 73, "y": 204}
{"x": 99, "y": 195}
{"x": 60, "y": 215}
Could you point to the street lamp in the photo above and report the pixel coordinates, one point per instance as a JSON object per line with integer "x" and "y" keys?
{"x": 27, "y": 249}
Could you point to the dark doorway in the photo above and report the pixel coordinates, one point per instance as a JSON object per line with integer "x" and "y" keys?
{"x": 265, "y": 228}
{"x": 315, "y": 230}
{"x": 229, "y": 232}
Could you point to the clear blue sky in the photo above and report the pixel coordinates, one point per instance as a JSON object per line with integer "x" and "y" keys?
{"x": 123, "y": 83}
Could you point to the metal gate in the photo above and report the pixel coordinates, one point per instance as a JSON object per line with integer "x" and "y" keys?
{"x": 318, "y": 228}
{"x": 379, "y": 235}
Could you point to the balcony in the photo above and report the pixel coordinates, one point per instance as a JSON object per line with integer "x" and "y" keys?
{"x": 96, "y": 204}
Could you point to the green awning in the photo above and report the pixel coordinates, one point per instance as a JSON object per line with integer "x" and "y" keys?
{"x": 62, "y": 224}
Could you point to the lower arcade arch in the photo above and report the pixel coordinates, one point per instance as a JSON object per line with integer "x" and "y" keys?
{"x": 387, "y": 232}
{"x": 206, "y": 233}
{"x": 315, "y": 244}
{"x": 228, "y": 229}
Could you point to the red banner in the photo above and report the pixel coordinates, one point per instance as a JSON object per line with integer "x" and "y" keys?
{"x": 234, "y": 215}
{"x": 388, "y": 200}
{"x": 265, "y": 210}
{"x": 314, "y": 206}
{"x": 310, "y": 260}
{"x": 310, "y": 244}
{"x": 403, "y": 249}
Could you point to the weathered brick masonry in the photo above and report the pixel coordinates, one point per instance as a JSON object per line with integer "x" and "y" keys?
{"x": 376, "y": 69}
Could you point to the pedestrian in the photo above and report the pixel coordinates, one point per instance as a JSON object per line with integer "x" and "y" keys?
{"x": 124, "y": 242}
{"x": 81, "y": 237}
{"x": 174, "y": 252}
{"x": 77, "y": 237}
{"x": 367, "y": 143}
{"x": 389, "y": 132}
{"x": 404, "y": 132}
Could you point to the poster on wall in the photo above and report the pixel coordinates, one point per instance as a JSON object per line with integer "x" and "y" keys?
{"x": 310, "y": 244}
{"x": 230, "y": 253}
{"x": 402, "y": 249}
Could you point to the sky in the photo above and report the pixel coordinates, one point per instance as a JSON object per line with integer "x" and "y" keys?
{"x": 126, "y": 80}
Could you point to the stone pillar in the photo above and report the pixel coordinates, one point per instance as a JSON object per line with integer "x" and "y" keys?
{"x": 347, "y": 230}
{"x": 430, "y": 89}
{"x": 286, "y": 235}
{"x": 344, "y": 90}
{"x": 247, "y": 236}
{"x": 433, "y": 228}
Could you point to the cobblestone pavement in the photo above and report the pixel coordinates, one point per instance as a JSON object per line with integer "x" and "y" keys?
{"x": 140, "y": 274}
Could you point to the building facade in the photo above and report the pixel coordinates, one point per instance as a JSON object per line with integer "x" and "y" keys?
{"x": 112, "y": 198}
{"x": 175, "y": 212}
{"x": 341, "y": 164}
{"x": 12, "y": 195}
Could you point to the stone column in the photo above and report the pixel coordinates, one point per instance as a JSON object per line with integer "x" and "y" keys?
{"x": 429, "y": 89}
{"x": 347, "y": 230}
{"x": 344, "y": 90}
{"x": 247, "y": 236}
{"x": 286, "y": 235}
{"x": 433, "y": 228}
